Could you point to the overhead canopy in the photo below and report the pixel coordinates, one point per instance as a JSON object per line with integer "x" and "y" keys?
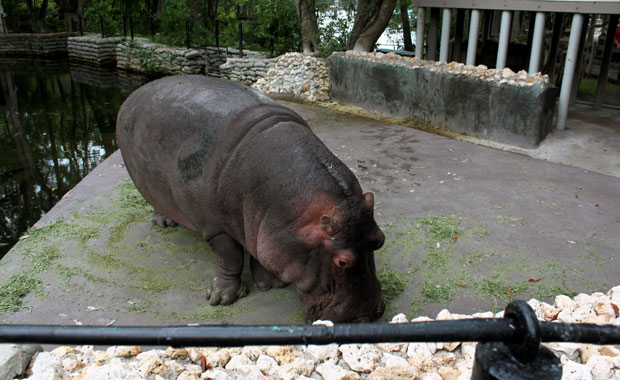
{"x": 568, "y": 6}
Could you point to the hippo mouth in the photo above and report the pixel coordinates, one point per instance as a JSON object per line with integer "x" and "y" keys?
{"x": 327, "y": 312}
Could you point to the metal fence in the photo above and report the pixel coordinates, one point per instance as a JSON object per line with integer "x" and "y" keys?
{"x": 509, "y": 347}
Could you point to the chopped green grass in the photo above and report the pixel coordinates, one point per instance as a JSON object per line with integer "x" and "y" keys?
{"x": 436, "y": 293}
{"x": 441, "y": 227}
{"x": 15, "y": 289}
{"x": 392, "y": 284}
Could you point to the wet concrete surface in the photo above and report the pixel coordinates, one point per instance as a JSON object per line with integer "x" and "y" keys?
{"x": 467, "y": 228}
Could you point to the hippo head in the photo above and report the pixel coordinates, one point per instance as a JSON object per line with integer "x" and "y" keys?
{"x": 340, "y": 283}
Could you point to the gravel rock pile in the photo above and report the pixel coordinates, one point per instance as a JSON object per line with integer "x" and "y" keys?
{"x": 505, "y": 76}
{"x": 419, "y": 361}
{"x": 299, "y": 75}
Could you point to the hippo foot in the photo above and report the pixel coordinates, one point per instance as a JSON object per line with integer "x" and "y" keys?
{"x": 161, "y": 220}
{"x": 223, "y": 292}
{"x": 264, "y": 279}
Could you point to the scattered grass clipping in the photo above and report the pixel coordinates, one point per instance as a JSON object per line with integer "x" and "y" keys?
{"x": 392, "y": 285}
{"x": 15, "y": 289}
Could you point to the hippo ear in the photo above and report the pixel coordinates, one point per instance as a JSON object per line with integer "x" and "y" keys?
{"x": 369, "y": 199}
{"x": 329, "y": 224}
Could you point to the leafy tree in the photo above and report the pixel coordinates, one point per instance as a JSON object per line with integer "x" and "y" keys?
{"x": 275, "y": 26}
{"x": 370, "y": 21}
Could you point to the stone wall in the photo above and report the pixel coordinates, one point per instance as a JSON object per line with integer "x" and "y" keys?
{"x": 246, "y": 70}
{"x": 141, "y": 55}
{"x": 298, "y": 75}
{"x": 216, "y": 57}
{"x": 33, "y": 45}
{"x": 513, "y": 108}
{"x": 93, "y": 50}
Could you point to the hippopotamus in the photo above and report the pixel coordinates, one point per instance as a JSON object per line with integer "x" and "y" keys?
{"x": 250, "y": 176}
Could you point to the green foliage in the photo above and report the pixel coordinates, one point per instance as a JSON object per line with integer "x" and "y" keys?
{"x": 335, "y": 26}
{"x": 102, "y": 12}
{"x": 275, "y": 27}
{"x": 172, "y": 21}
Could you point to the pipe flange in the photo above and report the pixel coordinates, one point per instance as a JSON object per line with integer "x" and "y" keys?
{"x": 527, "y": 327}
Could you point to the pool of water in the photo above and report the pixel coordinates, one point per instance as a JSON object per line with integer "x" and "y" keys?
{"x": 57, "y": 122}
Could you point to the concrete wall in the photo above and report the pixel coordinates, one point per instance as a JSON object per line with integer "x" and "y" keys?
{"x": 468, "y": 101}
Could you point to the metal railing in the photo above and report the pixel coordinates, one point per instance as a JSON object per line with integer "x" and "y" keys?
{"x": 509, "y": 348}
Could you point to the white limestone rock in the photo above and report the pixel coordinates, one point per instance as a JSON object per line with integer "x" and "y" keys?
{"x": 330, "y": 371}
{"x": 602, "y": 367}
{"x": 324, "y": 352}
{"x": 48, "y": 367}
{"x": 360, "y": 357}
{"x": 575, "y": 371}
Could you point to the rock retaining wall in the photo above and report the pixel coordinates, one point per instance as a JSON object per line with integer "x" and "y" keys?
{"x": 513, "y": 108}
{"x": 93, "y": 50}
{"x": 298, "y": 75}
{"x": 246, "y": 70}
{"x": 141, "y": 55}
{"x": 216, "y": 57}
{"x": 418, "y": 361}
{"x": 33, "y": 45}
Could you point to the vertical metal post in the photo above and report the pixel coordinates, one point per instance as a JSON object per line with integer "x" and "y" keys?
{"x": 458, "y": 36}
{"x": 473, "y": 37}
{"x": 131, "y": 25}
{"x": 433, "y": 33}
{"x": 579, "y": 60}
{"x": 555, "y": 40}
{"x": 504, "y": 40}
{"x": 187, "y": 37}
{"x": 604, "y": 71}
{"x": 419, "y": 33}
{"x": 537, "y": 43}
{"x": 240, "y": 39}
{"x": 569, "y": 70}
{"x": 445, "y": 35}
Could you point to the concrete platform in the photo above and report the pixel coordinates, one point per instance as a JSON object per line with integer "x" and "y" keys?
{"x": 467, "y": 228}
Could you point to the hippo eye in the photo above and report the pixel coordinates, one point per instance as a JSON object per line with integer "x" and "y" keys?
{"x": 342, "y": 263}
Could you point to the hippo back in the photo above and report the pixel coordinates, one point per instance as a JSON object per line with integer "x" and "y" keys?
{"x": 167, "y": 129}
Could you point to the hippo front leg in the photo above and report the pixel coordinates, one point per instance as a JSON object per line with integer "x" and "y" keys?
{"x": 161, "y": 220}
{"x": 226, "y": 287}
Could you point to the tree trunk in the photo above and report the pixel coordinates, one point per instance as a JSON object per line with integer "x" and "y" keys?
{"x": 404, "y": 18}
{"x": 306, "y": 11}
{"x": 371, "y": 20}
{"x": 193, "y": 11}
{"x": 3, "y": 28}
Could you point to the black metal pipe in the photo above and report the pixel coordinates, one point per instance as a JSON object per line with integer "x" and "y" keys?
{"x": 480, "y": 330}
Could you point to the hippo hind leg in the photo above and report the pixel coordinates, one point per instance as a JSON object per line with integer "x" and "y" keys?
{"x": 264, "y": 279}
{"x": 161, "y": 220}
{"x": 226, "y": 287}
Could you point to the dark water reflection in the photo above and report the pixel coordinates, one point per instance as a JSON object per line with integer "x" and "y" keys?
{"x": 56, "y": 124}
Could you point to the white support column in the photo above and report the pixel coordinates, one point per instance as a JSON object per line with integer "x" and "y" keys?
{"x": 537, "y": 41}
{"x": 473, "y": 37}
{"x": 569, "y": 69}
{"x": 504, "y": 37}
{"x": 419, "y": 34}
{"x": 445, "y": 35}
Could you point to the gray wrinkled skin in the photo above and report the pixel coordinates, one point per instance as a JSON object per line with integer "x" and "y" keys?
{"x": 250, "y": 176}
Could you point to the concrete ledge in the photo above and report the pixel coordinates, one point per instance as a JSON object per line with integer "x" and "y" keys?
{"x": 487, "y": 108}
